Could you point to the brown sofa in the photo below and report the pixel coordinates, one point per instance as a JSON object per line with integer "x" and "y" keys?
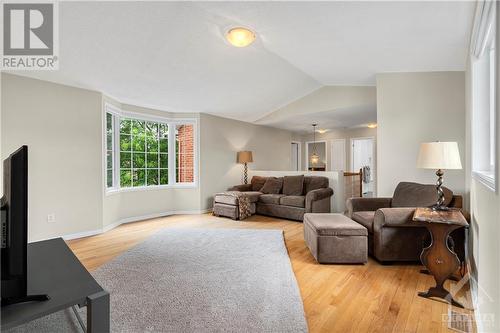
{"x": 392, "y": 235}
{"x": 296, "y": 196}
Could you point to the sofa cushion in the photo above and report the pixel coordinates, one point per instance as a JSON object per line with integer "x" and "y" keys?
{"x": 226, "y": 199}
{"x": 232, "y": 200}
{"x": 293, "y": 200}
{"x": 257, "y": 182}
{"x": 272, "y": 185}
{"x": 314, "y": 183}
{"x": 365, "y": 218}
{"x": 253, "y": 195}
{"x": 270, "y": 198}
{"x": 293, "y": 185}
{"x": 409, "y": 194}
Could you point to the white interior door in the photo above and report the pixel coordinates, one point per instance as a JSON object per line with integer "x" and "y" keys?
{"x": 295, "y": 157}
{"x": 338, "y": 155}
{"x": 363, "y": 155}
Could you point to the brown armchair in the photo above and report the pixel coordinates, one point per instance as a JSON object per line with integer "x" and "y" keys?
{"x": 392, "y": 236}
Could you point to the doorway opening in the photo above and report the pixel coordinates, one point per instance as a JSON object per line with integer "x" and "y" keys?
{"x": 363, "y": 157}
{"x": 295, "y": 156}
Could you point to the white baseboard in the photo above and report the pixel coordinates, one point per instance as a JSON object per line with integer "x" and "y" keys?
{"x": 475, "y": 305}
{"x": 133, "y": 219}
{"x": 82, "y": 234}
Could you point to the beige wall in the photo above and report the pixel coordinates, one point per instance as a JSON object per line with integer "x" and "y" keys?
{"x": 222, "y": 138}
{"x": 62, "y": 128}
{"x": 413, "y": 108}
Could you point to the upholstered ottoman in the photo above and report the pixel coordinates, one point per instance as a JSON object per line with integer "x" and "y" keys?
{"x": 335, "y": 239}
{"x": 227, "y": 205}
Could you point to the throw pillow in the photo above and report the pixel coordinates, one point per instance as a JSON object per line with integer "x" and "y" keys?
{"x": 257, "y": 183}
{"x": 272, "y": 186}
{"x": 293, "y": 185}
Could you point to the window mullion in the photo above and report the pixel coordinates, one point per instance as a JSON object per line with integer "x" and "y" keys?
{"x": 116, "y": 151}
{"x": 171, "y": 153}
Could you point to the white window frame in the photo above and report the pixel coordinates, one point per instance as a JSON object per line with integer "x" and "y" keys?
{"x": 116, "y": 135}
{"x": 484, "y": 119}
{"x": 171, "y": 122}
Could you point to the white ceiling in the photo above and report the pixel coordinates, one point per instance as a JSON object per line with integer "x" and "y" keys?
{"x": 173, "y": 56}
{"x": 342, "y": 118}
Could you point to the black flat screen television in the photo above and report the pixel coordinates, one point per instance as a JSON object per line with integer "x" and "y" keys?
{"x": 14, "y": 230}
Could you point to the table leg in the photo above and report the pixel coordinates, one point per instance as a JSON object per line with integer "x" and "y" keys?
{"x": 441, "y": 261}
{"x": 98, "y": 312}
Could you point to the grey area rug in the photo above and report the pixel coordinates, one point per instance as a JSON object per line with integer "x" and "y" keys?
{"x": 197, "y": 280}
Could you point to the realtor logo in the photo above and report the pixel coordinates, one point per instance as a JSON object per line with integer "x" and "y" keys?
{"x": 29, "y": 36}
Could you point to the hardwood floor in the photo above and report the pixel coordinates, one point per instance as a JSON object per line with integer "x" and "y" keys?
{"x": 337, "y": 298}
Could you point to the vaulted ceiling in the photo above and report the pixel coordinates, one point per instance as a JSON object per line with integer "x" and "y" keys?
{"x": 173, "y": 55}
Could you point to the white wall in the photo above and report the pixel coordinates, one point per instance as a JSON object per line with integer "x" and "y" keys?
{"x": 413, "y": 108}
{"x": 62, "y": 128}
{"x": 222, "y": 138}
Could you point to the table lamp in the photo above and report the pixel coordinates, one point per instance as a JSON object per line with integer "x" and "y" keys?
{"x": 440, "y": 156}
{"x": 245, "y": 157}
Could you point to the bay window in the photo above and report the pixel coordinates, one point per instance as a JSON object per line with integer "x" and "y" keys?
{"x": 139, "y": 150}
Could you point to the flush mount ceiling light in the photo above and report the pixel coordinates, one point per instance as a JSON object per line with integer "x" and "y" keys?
{"x": 240, "y": 37}
{"x": 372, "y": 125}
{"x": 322, "y": 131}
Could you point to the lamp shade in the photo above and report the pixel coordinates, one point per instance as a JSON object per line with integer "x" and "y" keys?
{"x": 439, "y": 155}
{"x": 244, "y": 157}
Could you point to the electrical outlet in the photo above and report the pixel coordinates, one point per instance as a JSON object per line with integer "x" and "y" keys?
{"x": 51, "y": 218}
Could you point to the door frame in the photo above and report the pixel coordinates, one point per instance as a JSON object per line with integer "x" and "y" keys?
{"x": 299, "y": 153}
{"x": 373, "y": 151}
{"x": 345, "y": 152}
{"x": 326, "y": 153}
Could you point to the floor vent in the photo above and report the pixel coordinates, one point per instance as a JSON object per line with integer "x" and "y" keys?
{"x": 460, "y": 322}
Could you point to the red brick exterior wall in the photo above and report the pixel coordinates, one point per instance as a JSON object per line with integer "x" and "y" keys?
{"x": 185, "y": 167}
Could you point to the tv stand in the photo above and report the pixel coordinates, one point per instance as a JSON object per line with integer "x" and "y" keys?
{"x": 29, "y": 298}
{"x": 54, "y": 269}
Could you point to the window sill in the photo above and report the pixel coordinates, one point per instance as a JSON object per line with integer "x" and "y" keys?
{"x": 150, "y": 188}
{"x": 487, "y": 178}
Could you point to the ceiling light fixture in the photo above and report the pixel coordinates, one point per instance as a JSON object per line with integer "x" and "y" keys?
{"x": 322, "y": 131}
{"x": 372, "y": 125}
{"x": 240, "y": 37}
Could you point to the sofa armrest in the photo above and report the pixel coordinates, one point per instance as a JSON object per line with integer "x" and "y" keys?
{"x": 316, "y": 195}
{"x": 241, "y": 188}
{"x": 366, "y": 204}
{"x": 394, "y": 217}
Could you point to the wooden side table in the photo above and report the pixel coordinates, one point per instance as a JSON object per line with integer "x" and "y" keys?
{"x": 438, "y": 258}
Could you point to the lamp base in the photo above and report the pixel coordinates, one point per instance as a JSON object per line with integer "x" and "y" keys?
{"x": 245, "y": 174}
{"x": 440, "y": 208}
